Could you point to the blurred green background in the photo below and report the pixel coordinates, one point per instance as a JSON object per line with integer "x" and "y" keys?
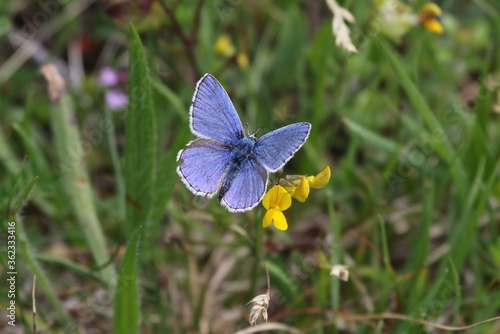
{"x": 410, "y": 129}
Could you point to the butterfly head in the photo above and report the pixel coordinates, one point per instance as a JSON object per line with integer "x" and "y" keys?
{"x": 253, "y": 137}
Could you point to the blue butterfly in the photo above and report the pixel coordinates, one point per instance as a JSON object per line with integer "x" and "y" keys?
{"x": 222, "y": 159}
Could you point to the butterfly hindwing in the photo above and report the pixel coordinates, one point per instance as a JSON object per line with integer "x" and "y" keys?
{"x": 274, "y": 149}
{"x": 204, "y": 164}
{"x": 247, "y": 187}
{"x": 212, "y": 114}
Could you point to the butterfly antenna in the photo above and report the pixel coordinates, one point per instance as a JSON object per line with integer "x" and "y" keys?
{"x": 248, "y": 130}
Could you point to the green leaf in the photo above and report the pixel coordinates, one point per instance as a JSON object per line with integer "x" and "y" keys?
{"x": 283, "y": 281}
{"x": 141, "y": 142}
{"x": 70, "y": 170}
{"x": 115, "y": 159}
{"x": 126, "y": 314}
{"x": 21, "y": 199}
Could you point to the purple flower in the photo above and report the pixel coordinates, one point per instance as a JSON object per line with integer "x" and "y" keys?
{"x": 113, "y": 80}
{"x": 116, "y": 99}
{"x": 108, "y": 77}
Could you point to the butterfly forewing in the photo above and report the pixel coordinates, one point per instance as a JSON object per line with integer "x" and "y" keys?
{"x": 247, "y": 188}
{"x": 212, "y": 114}
{"x": 204, "y": 163}
{"x": 274, "y": 149}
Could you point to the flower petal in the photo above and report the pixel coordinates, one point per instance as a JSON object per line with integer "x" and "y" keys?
{"x": 340, "y": 271}
{"x": 301, "y": 192}
{"x": 434, "y": 26}
{"x": 268, "y": 218}
{"x": 279, "y": 220}
{"x": 278, "y": 198}
{"x": 116, "y": 99}
{"x": 242, "y": 60}
{"x": 430, "y": 18}
{"x": 108, "y": 77}
{"x": 224, "y": 46}
{"x": 276, "y": 217}
{"x": 321, "y": 179}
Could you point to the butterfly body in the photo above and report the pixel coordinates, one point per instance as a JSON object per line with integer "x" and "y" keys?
{"x": 242, "y": 150}
{"x": 222, "y": 159}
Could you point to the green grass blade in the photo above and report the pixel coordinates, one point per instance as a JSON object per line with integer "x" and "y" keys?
{"x": 141, "y": 142}
{"x": 282, "y": 281}
{"x": 336, "y": 257}
{"x": 371, "y": 137}
{"x": 71, "y": 171}
{"x": 462, "y": 241}
{"x": 444, "y": 291}
{"x": 21, "y": 199}
{"x": 7, "y": 156}
{"x": 385, "y": 254}
{"x": 33, "y": 151}
{"x": 70, "y": 265}
{"x": 120, "y": 181}
{"x": 169, "y": 95}
{"x": 385, "y": 249}
{"x": 166, "y": 173}
{"x": 126, "y": 314}
{"x": 442, "y": 145}
{"x": 28, "y": 256}
{"x": 34, "y": 156}
{"x": 420, "y": 245}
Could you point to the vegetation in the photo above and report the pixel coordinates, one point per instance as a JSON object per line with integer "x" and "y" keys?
{"x": 94, "y": 107}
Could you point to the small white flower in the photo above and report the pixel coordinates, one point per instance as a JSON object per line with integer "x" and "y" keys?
{"x": 259, "y": 308}
{"x": 340, "y": 271}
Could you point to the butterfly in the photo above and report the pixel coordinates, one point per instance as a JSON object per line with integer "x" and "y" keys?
{"x": 223, "y": 159}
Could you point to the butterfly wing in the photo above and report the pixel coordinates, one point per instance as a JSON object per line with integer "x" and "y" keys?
{"x": 212, "y": 114}
{"x": 247, "y": 187}
{"x": 204, "y": 164}
{"x": 274, "y": 149}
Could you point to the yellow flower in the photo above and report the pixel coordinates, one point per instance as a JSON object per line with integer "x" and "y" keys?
{"x": 430, "y": 18}
{"x": 225, "y": 47}
{"x": 299, "y": 186}
{"x": 301, "y": 191}
{"x": 279, "y": 198}
{"x": 321, "y": 179}
{"x": 394, "y": 18}
{"x": 276, "y": 200}
{"x": 242, "y": 60}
